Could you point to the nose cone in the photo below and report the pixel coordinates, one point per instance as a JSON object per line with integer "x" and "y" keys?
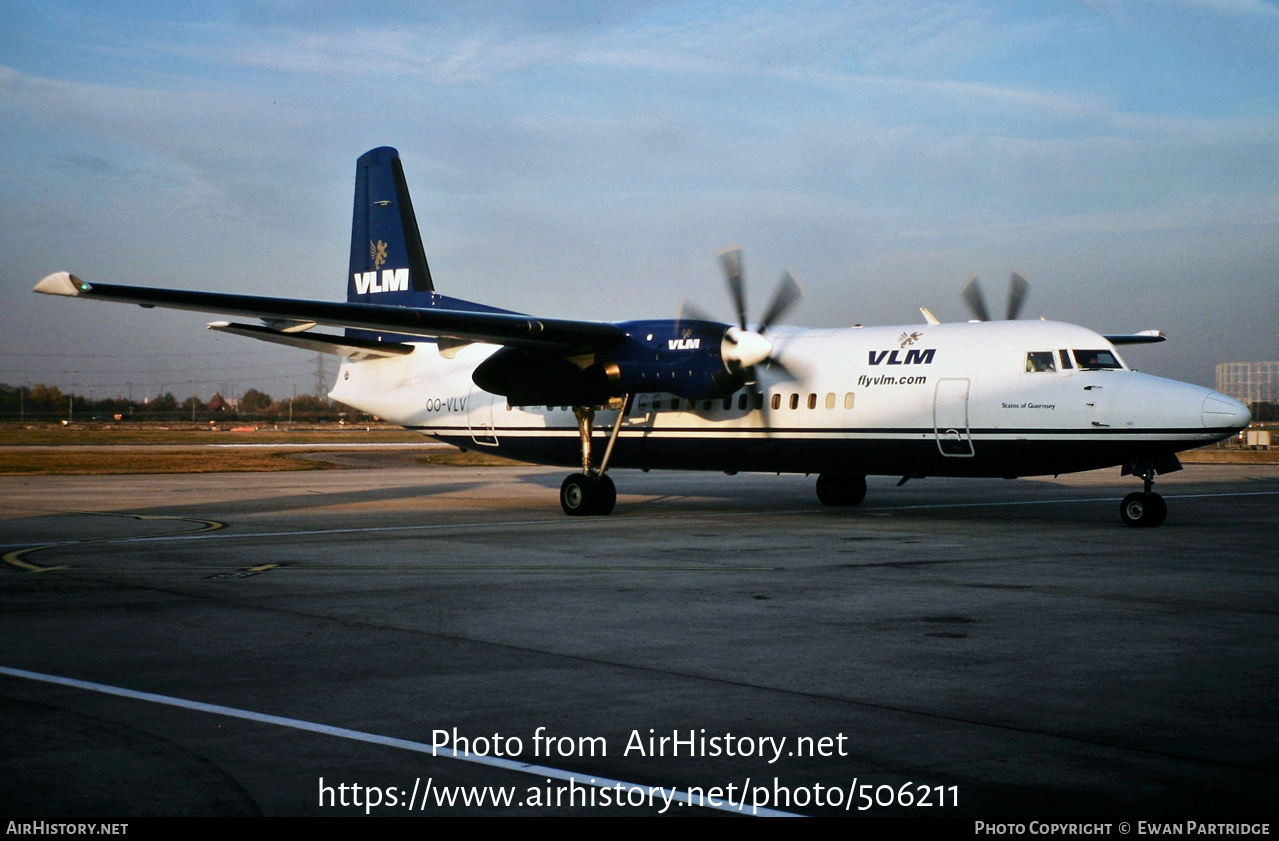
{"x": 1225, "y": 413}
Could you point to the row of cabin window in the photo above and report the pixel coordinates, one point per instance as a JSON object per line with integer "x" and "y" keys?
{"x": 744, "y": 401}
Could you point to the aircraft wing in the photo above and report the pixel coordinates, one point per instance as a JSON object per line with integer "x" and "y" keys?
{"x": 321, "y": 343}
{"x": 291, "y": 315}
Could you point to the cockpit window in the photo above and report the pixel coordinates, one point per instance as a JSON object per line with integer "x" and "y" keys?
{"x": 1040, "y": 360}
{"x": 1093, "y": 360}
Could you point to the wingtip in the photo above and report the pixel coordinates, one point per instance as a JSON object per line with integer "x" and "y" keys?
{"x": 61, "y": 283}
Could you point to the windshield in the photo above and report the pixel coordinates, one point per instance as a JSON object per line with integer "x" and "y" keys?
{"x": 1095, "y": 359}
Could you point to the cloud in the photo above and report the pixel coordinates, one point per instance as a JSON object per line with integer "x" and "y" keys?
{"x": 884, "y": 143}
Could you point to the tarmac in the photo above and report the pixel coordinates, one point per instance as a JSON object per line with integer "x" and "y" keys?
{"x": 287, "y": 643}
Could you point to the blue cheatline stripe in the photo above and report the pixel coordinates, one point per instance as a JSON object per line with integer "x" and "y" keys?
{"x": 733, "y": 433}
{"x": 657, "y": 792}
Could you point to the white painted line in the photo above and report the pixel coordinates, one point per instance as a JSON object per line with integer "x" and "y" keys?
{"x": 224, "y": 535}
{"x": 877, "y": 510}
{"x": 662, "y": 795}
{"x": 1053, "y": 501}
{"x": 582, "y": 523}
{"x": 425, "y": 445}
{"x": 352, "y": 530}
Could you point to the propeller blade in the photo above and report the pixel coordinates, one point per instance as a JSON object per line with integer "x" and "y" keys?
{"x": 731, "y": 260}
{"x": 775, "y": 364}
{"x": 1018, "y": 286}
{"x": 690, "y": 312}
{"x": 788, "y": 292}
{"x": 971, "y": 294}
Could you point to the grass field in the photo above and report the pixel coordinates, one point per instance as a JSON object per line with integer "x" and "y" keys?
{"x": 55, "y": 434}
{"x": 54, "y": 461}
{"x": 109, "y": 448}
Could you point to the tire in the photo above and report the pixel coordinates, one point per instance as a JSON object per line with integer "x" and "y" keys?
{"x": 1159, "y": 510}
{"x": 584, "y": 496}
{"x": 578, "y": 495}
{"x": 841, "y": 489}
{"x": 607, "y": 495}
{"x": 1143, "y": 509}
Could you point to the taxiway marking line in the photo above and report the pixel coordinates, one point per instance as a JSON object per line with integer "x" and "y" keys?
{"x": 1054, "y": 501}
{"x": 223, "y": 535}
{"x": 667, "y": 794}
{"x": 14, "y": 558}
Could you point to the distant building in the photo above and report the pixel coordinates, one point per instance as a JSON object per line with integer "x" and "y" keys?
{"x": 1251, "y": 383}
{"x": 219, "y": 404}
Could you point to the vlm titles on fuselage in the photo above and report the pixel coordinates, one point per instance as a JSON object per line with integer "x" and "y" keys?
{"x": 981, "y": 399}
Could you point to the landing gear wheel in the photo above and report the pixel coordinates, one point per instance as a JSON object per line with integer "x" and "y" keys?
{"x": 607, "y": 495}
{"x": 1143, "y": 509}
{"x": 577, "y": 495}
{"x": 841, "y": 489}
{"x": 582, "y": 495}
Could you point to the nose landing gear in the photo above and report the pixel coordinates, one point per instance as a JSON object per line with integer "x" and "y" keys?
{"x": 1145, "y": 507}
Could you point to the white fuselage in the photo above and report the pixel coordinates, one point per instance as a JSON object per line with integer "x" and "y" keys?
{"x": 976, "y": 399}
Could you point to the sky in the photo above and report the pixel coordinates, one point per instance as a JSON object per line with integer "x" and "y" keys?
{"x": 589, "y": 160}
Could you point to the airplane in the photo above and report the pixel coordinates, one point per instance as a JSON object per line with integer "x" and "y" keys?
{"x": 984, "y": 398}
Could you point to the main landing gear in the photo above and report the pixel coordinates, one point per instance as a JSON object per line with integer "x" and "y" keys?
{"x": 841, "y": 489}
{"x": 591, "y": 492}
{"x": 582, "y": 495}
{"x": 1144, "y": 507}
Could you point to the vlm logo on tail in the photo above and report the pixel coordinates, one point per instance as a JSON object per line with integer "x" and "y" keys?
{"x": 914, "y": 356}
{"x": 393, "y": 280}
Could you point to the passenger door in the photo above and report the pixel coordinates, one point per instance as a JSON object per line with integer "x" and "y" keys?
{"x": 950, "y": 418}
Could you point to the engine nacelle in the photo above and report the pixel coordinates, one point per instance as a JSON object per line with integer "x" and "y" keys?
{"x": 677, "y": 357}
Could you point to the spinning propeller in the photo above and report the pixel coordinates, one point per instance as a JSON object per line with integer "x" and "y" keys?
{"x": 1018, "y": 286}
{"x": 743, "y": 348}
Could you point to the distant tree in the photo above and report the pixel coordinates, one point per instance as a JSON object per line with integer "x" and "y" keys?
{"x": 191, "y": 407}
{"x": 310, "y": 407}
{"x": 254, "y": 402}
{"x": 46, "y": 398}
{"x": 111, "y": 406}
{"x": 164, "y": 404}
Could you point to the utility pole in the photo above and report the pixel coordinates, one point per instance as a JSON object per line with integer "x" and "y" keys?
{"x": 321, "y": 378}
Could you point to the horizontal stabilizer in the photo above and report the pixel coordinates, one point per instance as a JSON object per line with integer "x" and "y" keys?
{"x": 323, "y": 343}
{"x": 1145, "y": 337}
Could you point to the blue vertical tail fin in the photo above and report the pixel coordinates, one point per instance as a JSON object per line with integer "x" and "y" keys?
{"x": 388, "y": 262}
